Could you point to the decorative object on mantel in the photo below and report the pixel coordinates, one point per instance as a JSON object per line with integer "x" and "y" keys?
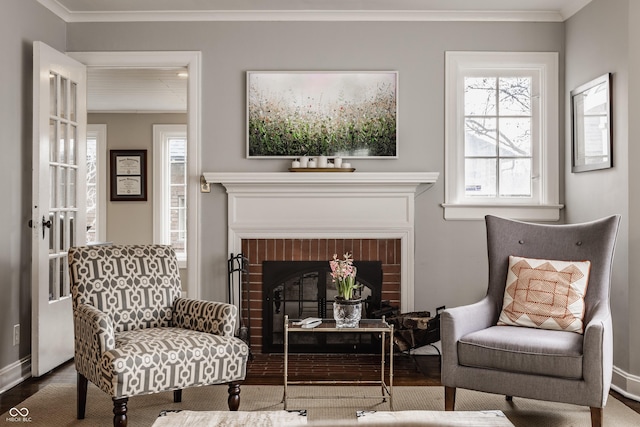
{"x": 347, "y": 307}
{"x": 320, "y": 164}
{"x": 322, "y": 113}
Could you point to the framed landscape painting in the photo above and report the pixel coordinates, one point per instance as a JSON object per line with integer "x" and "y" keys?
{"x": 311, "y": 113}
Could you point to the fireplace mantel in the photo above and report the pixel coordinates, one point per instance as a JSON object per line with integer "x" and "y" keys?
{"x": 290, "y": 205}
{"x": 361, "y": 180}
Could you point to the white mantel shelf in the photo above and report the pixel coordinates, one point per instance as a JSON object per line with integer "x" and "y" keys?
{"x": 360, "y": 179}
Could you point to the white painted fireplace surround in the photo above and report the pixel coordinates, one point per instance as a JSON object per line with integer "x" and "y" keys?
{"x": 291, "y": 205}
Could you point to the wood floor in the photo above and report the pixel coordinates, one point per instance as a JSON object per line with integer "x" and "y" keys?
{"x": 267, "y": 369}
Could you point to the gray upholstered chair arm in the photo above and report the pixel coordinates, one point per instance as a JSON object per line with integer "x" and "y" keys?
{"x": 205, "y": 316}
{"x": 454, "y": 324}
{"x": 598, "y": 349}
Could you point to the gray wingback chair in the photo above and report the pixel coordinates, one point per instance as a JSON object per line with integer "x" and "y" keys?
{"x": 550, "y": 365}
{"x": 135, "y": 335}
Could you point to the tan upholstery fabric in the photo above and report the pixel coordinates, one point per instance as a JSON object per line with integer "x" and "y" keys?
{"x": 546, "y": 294}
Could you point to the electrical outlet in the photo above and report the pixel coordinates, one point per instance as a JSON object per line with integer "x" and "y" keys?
{"x": 16, "y": 334}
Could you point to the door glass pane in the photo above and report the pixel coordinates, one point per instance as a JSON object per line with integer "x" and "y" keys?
{"x": 62, "y": 187}
{"x": 53, "y": 141}
{"x": 64, "y": 86}
{"x": 61, "y": 282}
{"x": 62, "y": 158}
{"x": 51, "y": 232}
{"x": 72, "y": 187}
{"x": 53, "y": 277}
{"x": 72, "y": 230}
{"x": 73, "y": 101}
{"x": 73, "y": 133}
{"x": 53, "y": 94}
{"x": 53, "y": 179}
{"x": 62, "y": 231}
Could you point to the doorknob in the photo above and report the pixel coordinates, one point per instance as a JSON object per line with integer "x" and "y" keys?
{"x": 45, "y": 224}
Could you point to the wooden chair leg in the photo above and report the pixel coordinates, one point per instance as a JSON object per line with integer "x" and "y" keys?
{"x": 449, "y": 398}
{"x": 82, "y": 396}
{"x": 508, "y": 398}
{"x": 177, "y": 396}
{"x": 596, "y": 417}
{"x": 120, "y": 412}
{"x": 234, "y": 396}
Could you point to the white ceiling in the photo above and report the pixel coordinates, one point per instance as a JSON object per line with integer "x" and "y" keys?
{"x": 162, "y": 91}
{"x": 395, "y": 10}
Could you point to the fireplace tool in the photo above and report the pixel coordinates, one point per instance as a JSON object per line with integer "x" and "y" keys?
{"x": 237, "y": 267}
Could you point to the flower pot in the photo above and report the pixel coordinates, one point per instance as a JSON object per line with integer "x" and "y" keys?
{"x": 347, "y": 312}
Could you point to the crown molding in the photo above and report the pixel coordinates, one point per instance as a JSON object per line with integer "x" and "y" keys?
{"x": 308, "y": 15}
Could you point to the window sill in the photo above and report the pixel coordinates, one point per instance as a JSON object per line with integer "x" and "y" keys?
{"x": 453, "y": 212}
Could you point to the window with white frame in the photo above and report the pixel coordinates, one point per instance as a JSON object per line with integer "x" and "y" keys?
{"x": 96, "y": 183}
{"x": 170, "y": 188}
{"x": 501, "y": 135}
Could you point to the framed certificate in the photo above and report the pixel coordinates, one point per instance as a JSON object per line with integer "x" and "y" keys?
{"x": 128, "y": 175}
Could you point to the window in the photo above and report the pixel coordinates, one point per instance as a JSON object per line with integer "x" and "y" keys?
{"x": 96, "y": 183}
{"x": 170, "y": 188}
{"x": 501, "y": 135}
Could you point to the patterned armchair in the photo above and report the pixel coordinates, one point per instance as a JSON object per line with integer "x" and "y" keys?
{"x": 134, "y": 335}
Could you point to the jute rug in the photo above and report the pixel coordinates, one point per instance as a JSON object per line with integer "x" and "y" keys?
{"x": 55, "y": 405}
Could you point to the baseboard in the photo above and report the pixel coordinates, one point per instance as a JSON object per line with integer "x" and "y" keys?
{"x": 626, "y": 384}
{"x": 15, "y": 373}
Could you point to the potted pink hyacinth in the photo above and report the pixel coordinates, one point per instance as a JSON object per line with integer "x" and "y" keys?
{"x": 347, "y": 310}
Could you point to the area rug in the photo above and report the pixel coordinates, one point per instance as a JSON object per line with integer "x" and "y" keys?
{"x": 55, "y": 405}
{"x": 231, "y": 419}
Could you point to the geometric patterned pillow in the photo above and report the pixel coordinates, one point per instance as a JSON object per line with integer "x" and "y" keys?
{"x": 545, "y": 294}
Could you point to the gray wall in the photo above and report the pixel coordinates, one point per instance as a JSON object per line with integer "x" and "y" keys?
{"x": 132, "y": 222}
{"x": 21, "y": 22}
{"x": 415, "y": 50}
{"x": 597, "y": 43}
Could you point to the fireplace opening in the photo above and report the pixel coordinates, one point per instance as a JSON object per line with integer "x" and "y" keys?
{"x": 303, "y": 289}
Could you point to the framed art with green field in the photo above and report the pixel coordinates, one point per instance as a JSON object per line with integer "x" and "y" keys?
{"x": 332, "y": 113}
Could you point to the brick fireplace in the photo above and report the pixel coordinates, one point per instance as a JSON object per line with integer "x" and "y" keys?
{"x": 283, "y": 215}
{"x": 388, "y": 251}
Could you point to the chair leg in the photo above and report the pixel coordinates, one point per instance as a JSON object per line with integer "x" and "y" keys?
{"x": 508, "y": 398}
{"x": 82, "y": 396}
{"x": 177, "y": 396}
{"x": 596, "y": 417}
{"x": 449, "y": 398}
{"x": 234, "y": 396}
{"x": 120, "y": 412}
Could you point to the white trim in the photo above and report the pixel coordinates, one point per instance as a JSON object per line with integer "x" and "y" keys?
{"x": 545, "y": 205}
{"x": 276, "y": 205}
{"x": 631, "y": 389}
{"x": 161, "y": 174}
{"x": 193, "y": 61}
{"x": 312, "y": 15}
{"x": 15, "y": 373}
{"x": 100, "y": 130}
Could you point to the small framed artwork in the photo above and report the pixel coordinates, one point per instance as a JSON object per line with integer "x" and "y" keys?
{"x": 591, "y": 129}
{"x": 128, "y": 175}
{"x": 350, "y": 114}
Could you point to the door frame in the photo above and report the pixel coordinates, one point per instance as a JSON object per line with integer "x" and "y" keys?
{"x": 192, "y": 60}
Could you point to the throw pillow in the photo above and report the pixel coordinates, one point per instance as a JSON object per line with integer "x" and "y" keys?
{"x": 545, "y": 294}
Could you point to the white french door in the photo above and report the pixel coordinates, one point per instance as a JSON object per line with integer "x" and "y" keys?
{"x": 59, "y": 194}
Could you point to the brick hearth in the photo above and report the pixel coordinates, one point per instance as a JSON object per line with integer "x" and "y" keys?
{"x": 388, "y": 251}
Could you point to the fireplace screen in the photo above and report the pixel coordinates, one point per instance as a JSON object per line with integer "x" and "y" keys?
{"x": 303, "y": 289}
